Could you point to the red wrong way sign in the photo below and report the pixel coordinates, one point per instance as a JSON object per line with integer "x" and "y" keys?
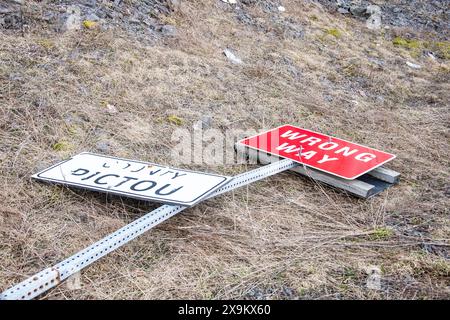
{"x": 336, "y": 156}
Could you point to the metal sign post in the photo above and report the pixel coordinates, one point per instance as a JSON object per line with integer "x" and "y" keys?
{"x": 51, "y": 277}
{"x": 333, "y": 161}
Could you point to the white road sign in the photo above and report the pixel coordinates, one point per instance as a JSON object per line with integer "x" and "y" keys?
{"x": 134, "y": 179}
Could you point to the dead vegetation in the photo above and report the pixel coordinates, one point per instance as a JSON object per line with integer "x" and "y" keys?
{"x": 286, "y": 237}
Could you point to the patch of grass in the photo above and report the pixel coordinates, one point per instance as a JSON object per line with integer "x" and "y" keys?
{"x": 61, "y": 146}
{"x": 407, "y": 43}
{"x": 442, "y": 49}
{"x": 88, "y": 24}
{"x": 175, "y": 120}
{"x": 46, "y": 43}
{"x": 168, "y": 20}
{"x": 333, "y": 32}
{"x": 381, "y": 233}
{"x": 349, "y": 274}
{"x": 413, "y": 46}
{"x": 434, "y": 267}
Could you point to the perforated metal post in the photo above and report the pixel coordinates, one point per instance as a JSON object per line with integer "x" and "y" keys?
{"x": 51, "y": 277}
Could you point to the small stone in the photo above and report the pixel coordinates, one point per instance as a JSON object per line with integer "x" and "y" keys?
{"x": 174, "y": 5}
{"x": 343, "y": 11}
{"x": 48, "y": 16}
{"x": 12, "y": 21}
{"x": 373, "y": 281}
{"x": 8, "y": 8}
{"x": 373, "y": 9}
{"x": 169, "y": 30}
{"x": 111, "y": 108}
{"x": 374, "y": 21}
{"x": 73, "y": 19}
{"x": 358, "y": 11}
{"x": 232, "y": 57}
{"x": 92, "y": 17}
{"x": 103, "y": 146}
{"x": 281, "y": 9}
{"x": 90, "y": 3}
{"x": 413, "y": 65}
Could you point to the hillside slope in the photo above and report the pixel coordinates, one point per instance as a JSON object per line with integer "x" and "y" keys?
{"x": 119, "y": 77}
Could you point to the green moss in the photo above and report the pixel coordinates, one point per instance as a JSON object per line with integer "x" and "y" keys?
{"x": 333, "y": 32}
{"x": 88, "y": 24}
{"x": 349, "y": 273}
{"x": 407, "y": 43}
{"x": 381, "y": 234}
{"x": 442, "y": 49}
{"x": 46, "y": 43}
{"x": 175, "y": 120}
{"x": 61, "y": 146}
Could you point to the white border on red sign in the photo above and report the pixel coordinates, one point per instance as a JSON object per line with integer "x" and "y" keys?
{"x": 332, "y": 173}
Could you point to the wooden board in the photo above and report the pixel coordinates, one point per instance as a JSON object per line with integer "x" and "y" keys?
{"x": 357, "y": 187}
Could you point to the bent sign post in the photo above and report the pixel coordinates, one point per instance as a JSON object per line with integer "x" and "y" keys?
{"x": 322, "y": 152}
{"x": 134, "y": 179}
{"x": 148, "y": 181}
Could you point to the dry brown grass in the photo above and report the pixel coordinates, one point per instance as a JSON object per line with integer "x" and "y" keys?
{"x": 284, "y": 237}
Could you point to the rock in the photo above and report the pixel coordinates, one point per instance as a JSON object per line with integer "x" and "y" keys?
{"x": 431, "y": 55}
{"x": 111, "y": 108}
{"x": 413, "y": 65}
{"x": 291, "y": 30}
{"x": 231, "y": 56}
{"x": 12, "y": 21}
{"x": 103, "y": 146}
{"x": 374, "y": 20}
{"x": 373, "y": 281}
{"x": 230, "y": 1}
{"x": 174, "y": 5}
{"x": 168, "y": 30}
{"x": 92, "y": 17}
{"x": 281, "y": 9}
{"x": 90, "y": 3}
{"x": 373, "y": 9}
{"x": 48, "y": 16}
{"x": 343, "y": 10}
{"x": 8, "y": 8}
{"x": 72, "y": 19}
{"x": 358, "y": 11}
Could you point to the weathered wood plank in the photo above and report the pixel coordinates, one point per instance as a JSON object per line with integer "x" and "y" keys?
{"x": 385, "y": 174}
{"x": 356, "y": 187}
